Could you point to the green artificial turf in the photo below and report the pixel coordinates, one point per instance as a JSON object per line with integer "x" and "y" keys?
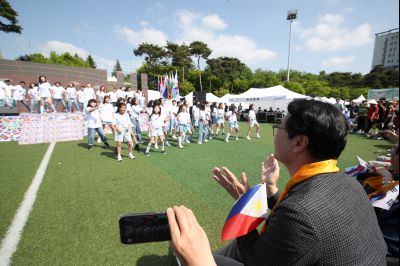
{"x": 18, "y": 165}
{"x": 75, "y": 218}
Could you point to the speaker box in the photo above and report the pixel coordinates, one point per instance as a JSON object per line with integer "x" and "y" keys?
{"x": 5, "y": 110}
{"x": 199, "y": 96}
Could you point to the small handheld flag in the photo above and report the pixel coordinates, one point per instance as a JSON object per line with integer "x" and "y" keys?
{"x": 247, "y": 213}
{"x": 362, "y": 167}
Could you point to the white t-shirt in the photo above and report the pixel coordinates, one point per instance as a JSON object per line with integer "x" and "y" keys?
{"x": 252, "y": 115}
{"x": 8, "y": 90}
{"x": 93, "y": 118}
{"x": 113, "y": 96}
{"x": 202, "y": 115}
{"x": 164, "y": 112}
{"x": 3, "y": 87}
{"x": 81, "y": 96}
{"x": 173, "y": 111}
{"x": 107, "y": 112}
{"x": 157, "y": 121}
{"x": 101, "y": 95}
{"x": 89, "y": 94}
{"x": 220, "y": 113}
{"x": 58, "y": 92}
{"x": 195, "y": 111}
{"x": 149, "y": 110}
{"x": 231, "y": 116}
{"x": 123, "y": 121}
{"x": 208, "y": 113}
{"x": 120, "y": 94}
{"x": 129, "y": 94}
{"x": 71, "y": 93}
{"x": 44, "y": 89}
{"x": 135, "y": 111}
{"x": 34, "y": 93}
{"x": 18, "y": 93}
{"x": 184, "y": 118}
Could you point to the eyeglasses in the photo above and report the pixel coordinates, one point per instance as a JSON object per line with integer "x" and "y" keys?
{"x": 275, "y": 128}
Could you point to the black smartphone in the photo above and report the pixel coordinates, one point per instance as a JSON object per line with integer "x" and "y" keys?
{"x": 144, "y": 227}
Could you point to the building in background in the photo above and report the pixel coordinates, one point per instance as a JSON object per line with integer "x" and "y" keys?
{"x": 386, "y": 49}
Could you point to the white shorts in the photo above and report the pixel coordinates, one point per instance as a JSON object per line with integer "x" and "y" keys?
{"x": 253, "y": 123}
{"x": 124, "y": 136}
{"x": 233, "y": 124}
{"x": 156, "y": 132}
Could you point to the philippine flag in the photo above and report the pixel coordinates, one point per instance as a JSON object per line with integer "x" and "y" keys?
{"x": 247, "y": 213}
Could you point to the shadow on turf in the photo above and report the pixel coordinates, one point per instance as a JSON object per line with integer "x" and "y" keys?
{"x": 156, "y": 260}
{"x": 384, "y": 147}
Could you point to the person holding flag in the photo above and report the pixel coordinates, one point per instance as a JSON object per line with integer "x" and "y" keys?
{"x": 322, "y": 217}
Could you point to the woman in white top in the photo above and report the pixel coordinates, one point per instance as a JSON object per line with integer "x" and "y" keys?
{"x": 233, "y": 123}
{"x": 183, "y": 118}
{"x": 202, "y": 122}
{"x": 123, "y": 126}
{"x": 136, "y": 110}
{"x": 94, "y": 123}
{"x": 81, "y": 98}
{"x": 44, "y": 93}
{"x": 101, "y": 93}
{"x": 89, "y": 93}
{"x": 58, "y": 95}
{"x": 19, "y": 96}
{"x": 220, "y": 118}
{"x": 156, "y": 124}
{"x": 71, "y": 94}
{"x": 33, "y": 94}
{"x": 252, "y": 122}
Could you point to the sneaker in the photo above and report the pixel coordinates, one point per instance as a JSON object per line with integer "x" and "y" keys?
{"x": 210, "y": 137}
{"x": 205, "y": 141}
{"x": 227, "y": 140}
{"x": 180, "y": 146}
{"x": 167, "y": 143}
{"x": 147, "y": 153}
{"x": 119, "y": 158}
{"x": 236, "y": 138}
{"x": 106, "y": 144}
{"x": 174, "y": 137}
{"x": 98, "y": 140}
{"x": 187, "y": 141}
{"x": 141, "y": 141}
{"x": 199, "y": 143}
{"x": 131, "y": 156}
{"x": 156, "y": 146}
{"x": 258, "y": 136}
{"x": 248, "y": 138}
{"x": 137, "y": 147}
{"x": 163, "y": 152}
{"x": 90, "y": 147}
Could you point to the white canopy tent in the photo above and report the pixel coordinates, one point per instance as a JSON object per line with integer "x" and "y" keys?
{"x": 153, "y": 95}
{"x": 275, "y": 97}
{"x": 360, "y": 99}
{"x": 212, "y": 98}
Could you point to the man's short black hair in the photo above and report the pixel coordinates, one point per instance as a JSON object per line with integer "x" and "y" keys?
{"x": 323, "y": 124}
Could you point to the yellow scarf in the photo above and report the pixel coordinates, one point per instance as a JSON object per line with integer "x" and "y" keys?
{"x": 305, "y": 172}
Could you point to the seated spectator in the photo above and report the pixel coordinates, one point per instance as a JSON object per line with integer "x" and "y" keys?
{"x": 323, "y": 216}
{"x": 373, "y": 132}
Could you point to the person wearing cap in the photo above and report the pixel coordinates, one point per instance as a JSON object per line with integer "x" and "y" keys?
{"x": 372, "y": 115}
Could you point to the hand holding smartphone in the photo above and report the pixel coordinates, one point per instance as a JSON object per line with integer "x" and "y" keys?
{"x": 144, "y": 227}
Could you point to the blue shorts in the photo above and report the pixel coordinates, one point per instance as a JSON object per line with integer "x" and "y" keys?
{"x": 233, "y": 124}
{"x": 182, "y": 128}
{"x": 124, "y": 136}
{"x": 188, "y": 127}
{"x": 220, "y": 120}
{"x": 213, "y": 120}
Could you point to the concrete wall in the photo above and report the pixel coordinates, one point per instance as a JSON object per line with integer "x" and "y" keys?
{"x": 29, "y": 72}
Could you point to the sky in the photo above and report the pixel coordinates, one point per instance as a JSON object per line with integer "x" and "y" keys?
{"x": 329, "y": 35}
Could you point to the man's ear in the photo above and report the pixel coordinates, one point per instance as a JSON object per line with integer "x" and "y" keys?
{"x": 300, "y": 143}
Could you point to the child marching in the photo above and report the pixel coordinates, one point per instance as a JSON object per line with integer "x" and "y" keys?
{"x": 252, "y": 122}
{"x": 156, "y": 124}
{"x": 233, "y": 123}
{"x": 123, "y": 126}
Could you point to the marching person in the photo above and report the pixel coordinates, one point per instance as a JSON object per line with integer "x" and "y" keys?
{"x": 252, "y": 122}
{"x": 233, "y": 123}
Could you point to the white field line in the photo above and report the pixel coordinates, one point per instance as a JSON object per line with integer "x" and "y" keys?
{"x": 10, "y": 242}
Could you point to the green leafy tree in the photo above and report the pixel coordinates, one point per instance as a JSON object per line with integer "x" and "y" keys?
{"x": 179, "y": 56}
{"x": 117, "y": 67}
{"x": 221, "y": 92}
{"x": 199, "y": 50}
{"x": 10, "y": 15}
{"x": 90, "y": 62}
{"x": 155, "y": 59}
{"x": 185, "y": 87}
{"x": 294, "y": 86}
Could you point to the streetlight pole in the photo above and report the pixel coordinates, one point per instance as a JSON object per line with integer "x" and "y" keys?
{"x": 292, "y": 15}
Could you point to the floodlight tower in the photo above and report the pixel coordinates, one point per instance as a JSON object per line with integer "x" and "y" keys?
{"x": 291, "y": 15}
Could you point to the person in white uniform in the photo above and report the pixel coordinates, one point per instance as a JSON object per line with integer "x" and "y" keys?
{"x": 58, "y": 95}
{"x": 19, "y": 95}
{"x": 72, "y": 97}
{"x": 233, "y": 123}
{"x": 252, "y": 122}
{"x": 156, "y": 124}
{"x": 44, "y": 93}
{"x": 123, "y": 126}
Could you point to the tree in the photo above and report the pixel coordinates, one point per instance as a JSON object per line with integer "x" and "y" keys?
{"x": 185, "y": 87}
{"x": 154, "y": 57}
{"x": 179, "y": 56}
{"x": 117, "y": 67}
{"x": 9, "y": 14}
{"x": 63, "y": 59}
{"x": 90, "y": 62}
{"x": 199, "y": 50}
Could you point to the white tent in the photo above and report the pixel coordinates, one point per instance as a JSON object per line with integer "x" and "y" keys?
{"x": 112, "y": 79}
{"x": 275, "y": 97}
{"x": 360, "y": 99}
{"x": 212, "y": 98}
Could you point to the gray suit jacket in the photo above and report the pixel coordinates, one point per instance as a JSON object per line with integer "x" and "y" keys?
{"x": 326, "y": 220}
